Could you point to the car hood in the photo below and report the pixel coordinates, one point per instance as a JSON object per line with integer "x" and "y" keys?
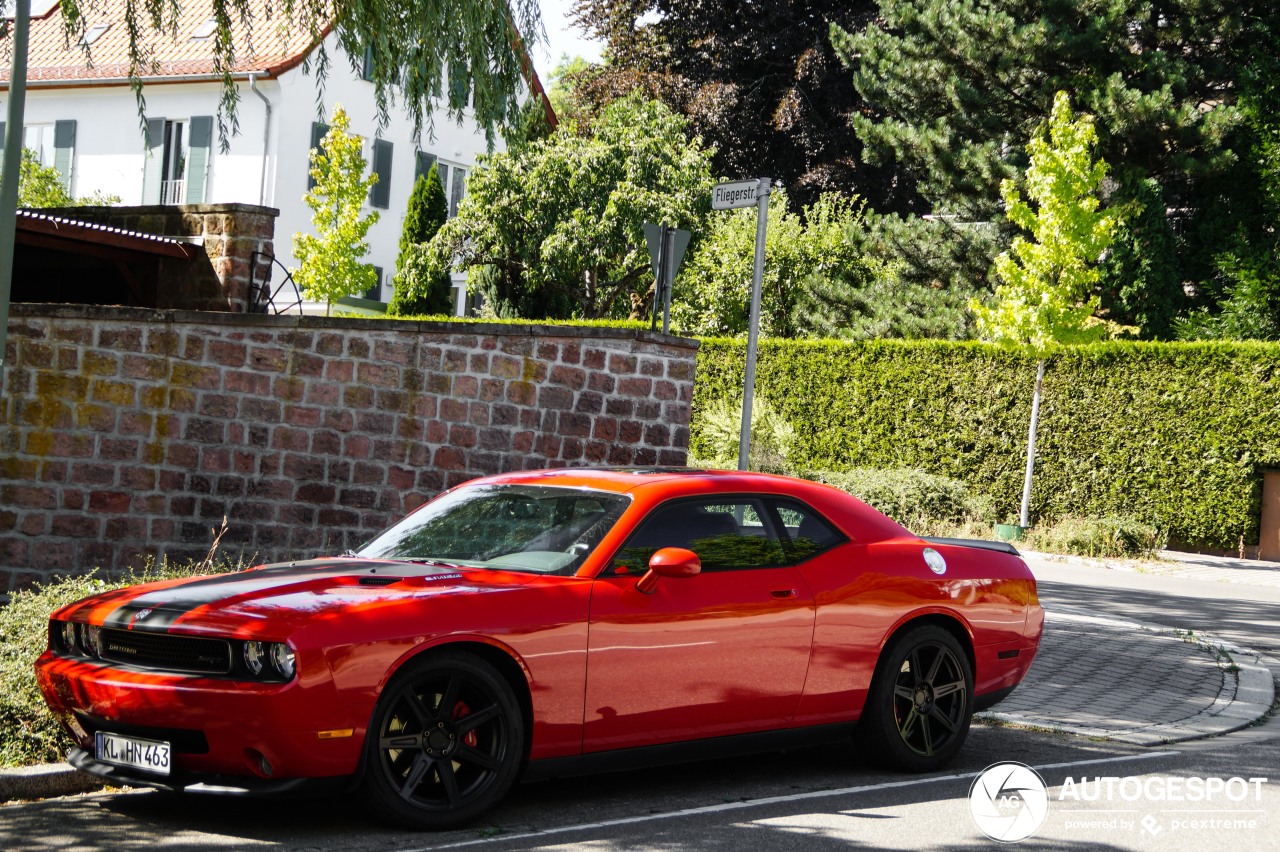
{"x": 286, "y": 592}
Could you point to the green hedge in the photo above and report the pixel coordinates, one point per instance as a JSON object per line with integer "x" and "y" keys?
{"x": 1174, "y": 435}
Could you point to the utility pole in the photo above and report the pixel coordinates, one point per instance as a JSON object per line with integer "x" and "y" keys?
{"x": 12, "y": 164}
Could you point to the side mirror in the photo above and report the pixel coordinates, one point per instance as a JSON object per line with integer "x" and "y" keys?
{"x": 669, "y": 562}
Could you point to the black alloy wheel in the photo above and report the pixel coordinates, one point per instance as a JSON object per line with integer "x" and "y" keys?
{"x": 920, "y": 703}
{"x": 446, "y": 742}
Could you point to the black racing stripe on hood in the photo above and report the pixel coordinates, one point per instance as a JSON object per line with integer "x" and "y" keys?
{"x": 168, "y": 605}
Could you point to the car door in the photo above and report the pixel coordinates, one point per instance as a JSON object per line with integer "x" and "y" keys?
{"x": 723, "y": 652}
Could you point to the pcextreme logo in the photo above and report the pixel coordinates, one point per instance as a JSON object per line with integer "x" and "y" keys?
{"x": 1008, "y": 801}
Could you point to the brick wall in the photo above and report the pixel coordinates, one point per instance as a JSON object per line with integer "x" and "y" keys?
{"x": 126, "y": 433}
{"x": 230, "y": 234}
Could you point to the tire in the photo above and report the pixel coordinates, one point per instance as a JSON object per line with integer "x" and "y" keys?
{"x": 445, "y": 743}
{"x": 920, "y": 702}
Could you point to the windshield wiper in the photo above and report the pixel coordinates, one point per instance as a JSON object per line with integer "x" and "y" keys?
{"x": 350, "y": 554}
{"x": 423, "y": 560}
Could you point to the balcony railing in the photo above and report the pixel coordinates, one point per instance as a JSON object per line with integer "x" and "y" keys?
{"x": 173, "y": 192}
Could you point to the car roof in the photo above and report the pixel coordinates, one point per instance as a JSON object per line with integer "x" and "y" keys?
{"x": 662, "y": 483}
{"x": 627, "y": 479}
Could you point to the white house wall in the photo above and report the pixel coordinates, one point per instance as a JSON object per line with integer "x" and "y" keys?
{"x": 454, "y": 145}
{"x": 109, "y": 151}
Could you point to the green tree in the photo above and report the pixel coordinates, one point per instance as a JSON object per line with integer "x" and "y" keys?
{"x": 329, "y": 260}
{"x": 950, "y": 84}
{"x": 1046, "y": 296}
{"x": 419, "y": 289}
{"x": 713, "y": 289}
{"x": 1247, "y": 260}
{"x": 415, "y": 46}
{"x": 759, "y": 81}
{"x": 553, "y": 229}
{"x": 43, "y": 186}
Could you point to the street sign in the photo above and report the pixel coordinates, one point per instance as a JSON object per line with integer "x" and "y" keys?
{"x": 653, "y": 238}
{"x": 666, "y": 250}
{"x": 734, "y": 194}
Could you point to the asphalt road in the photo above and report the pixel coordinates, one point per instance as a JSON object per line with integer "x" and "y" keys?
{"x": 808, "y": 799}
{"x": 1246, "y": 615}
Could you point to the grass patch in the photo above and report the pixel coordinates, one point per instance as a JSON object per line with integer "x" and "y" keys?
{"x": 1105, "y": 537}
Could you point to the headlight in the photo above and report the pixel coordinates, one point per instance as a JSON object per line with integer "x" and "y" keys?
{"x": 282, "y": 659}
{"x": 69, "y": 636}
{"x": 254, "y": 656}
{"x": 91, "y": 639}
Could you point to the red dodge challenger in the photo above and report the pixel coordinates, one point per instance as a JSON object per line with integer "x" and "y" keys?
{"x": 547, "y": 623}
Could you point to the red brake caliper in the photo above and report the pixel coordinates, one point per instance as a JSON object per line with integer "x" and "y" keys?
{"x": 459, "y": 710}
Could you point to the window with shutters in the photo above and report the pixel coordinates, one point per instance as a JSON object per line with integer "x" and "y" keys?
{"x": 177, "y": 164}
{"x": 380, "y": 192}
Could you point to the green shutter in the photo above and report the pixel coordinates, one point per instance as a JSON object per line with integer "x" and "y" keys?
{"x": 425, "y": 162}
{"x": 152, "y": 175}
{"x": 64, "y": 150}
{"x": 200, "y": 138}
{"x": 380, "y": 193}
{"x": 318, "y": 132}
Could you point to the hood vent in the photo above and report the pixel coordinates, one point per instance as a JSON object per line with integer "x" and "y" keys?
{"x": 379, "y": 581}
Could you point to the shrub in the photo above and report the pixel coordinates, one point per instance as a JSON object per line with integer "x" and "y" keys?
{"x": 922, "y": 502}
{"x": 28, "y": 732}
{"x": 421, "y": 285}
{"x": 772, "y": 437}
{"x": 1100, "y": 537}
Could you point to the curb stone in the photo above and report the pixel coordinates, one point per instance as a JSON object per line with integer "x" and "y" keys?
{"x": 45, "y": 781}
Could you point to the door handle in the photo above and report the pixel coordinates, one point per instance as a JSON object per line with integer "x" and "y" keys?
{"x": 782, "y": 594}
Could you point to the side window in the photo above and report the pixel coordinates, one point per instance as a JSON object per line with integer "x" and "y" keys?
{"x": 459, "y": 190}
{"x": 806, "y": 532}
{"x": 727, "y": 534}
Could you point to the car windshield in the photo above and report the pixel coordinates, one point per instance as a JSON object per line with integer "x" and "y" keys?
{"x": 534, "y": 528}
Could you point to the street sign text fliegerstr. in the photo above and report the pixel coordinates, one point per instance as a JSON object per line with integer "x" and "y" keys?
{"x": 735, "y": 194}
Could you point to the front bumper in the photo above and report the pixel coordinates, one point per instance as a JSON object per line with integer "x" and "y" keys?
{"x": 219, "y": 729}
{"x": 222, "y": 785}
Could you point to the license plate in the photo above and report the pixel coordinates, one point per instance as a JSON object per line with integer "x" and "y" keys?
{"x": 147, "y": 755}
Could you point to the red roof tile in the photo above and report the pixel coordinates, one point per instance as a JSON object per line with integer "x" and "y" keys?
{"x": 49, "y": 58}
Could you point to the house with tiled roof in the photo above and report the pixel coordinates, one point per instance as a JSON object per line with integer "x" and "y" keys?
{"x": 82, "y": 118}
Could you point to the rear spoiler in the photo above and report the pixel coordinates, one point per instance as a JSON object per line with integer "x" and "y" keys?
{"x": 978, "y": 543}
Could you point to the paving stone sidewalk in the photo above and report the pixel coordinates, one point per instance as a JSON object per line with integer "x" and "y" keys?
{"x": 1120, "y": 680}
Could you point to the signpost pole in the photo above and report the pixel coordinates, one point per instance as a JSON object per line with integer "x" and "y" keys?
{"x": 668, "y": 274}
{"x": 763, "y": 188}
{"x": 661, "y": 270}
{"x": 19, "y": 36}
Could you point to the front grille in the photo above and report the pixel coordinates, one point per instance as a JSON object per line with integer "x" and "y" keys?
{"x": 167, "y": 652}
